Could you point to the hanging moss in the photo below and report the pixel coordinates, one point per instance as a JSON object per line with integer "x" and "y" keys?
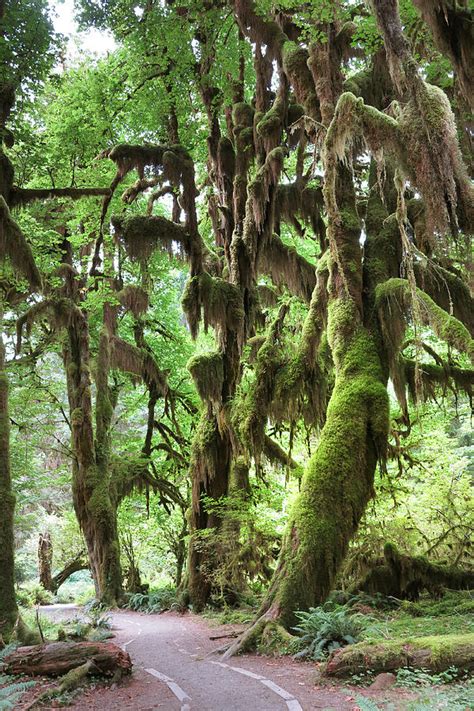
{"x": 451, "y": 27}
{"x": 301, "y": 389}
{"x": 446, "y": 327}
{"x": 137, "y": 362}
{"x": 14, "y": 246}
{"x": 432, "y": 159}
{"x": 207, "y": 370}
{"x": 436, "y": 379}
{"x": 142, "y": 235}
{"x": 288, "y": 268}
{"x": 134, "y": 299}
{"x": 205, "y": 456}
{"x": 218, "y": 301}
{"x": 295, "y": 201}
{"x": 252, "y": 415}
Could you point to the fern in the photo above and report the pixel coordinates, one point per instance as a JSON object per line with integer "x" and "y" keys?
{"x": 153, "y": 602}
{"x": 323, "y": 631}
{"x": 12, "y": 693}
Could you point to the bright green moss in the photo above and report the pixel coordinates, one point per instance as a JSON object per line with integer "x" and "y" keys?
{"x": 207, "y": 370}
{"x": 338, "y": 480}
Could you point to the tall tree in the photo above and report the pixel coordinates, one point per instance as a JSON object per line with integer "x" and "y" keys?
{"x": 282, "y": 99}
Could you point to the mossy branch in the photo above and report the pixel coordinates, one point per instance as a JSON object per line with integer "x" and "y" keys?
{"x": 23, "y": 196}
{"x": 446, "y": 327}
{"x": 14, "y": 246}
{"x": 137, "y": 362}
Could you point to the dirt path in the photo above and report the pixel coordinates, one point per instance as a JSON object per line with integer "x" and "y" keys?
{"x": 175, "y": 670}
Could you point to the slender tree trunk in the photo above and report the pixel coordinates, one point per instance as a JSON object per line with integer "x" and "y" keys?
{"x": 8, "y": 606}
{"x": 45, "y": 559}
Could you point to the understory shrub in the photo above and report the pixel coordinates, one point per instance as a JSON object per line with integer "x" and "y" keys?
{"x": 322, "y": 631}
{"x": 155, "y": 601}
{"x": 33, "y": 594}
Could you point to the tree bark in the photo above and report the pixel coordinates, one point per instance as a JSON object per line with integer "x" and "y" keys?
{"x": 59, "y": 657}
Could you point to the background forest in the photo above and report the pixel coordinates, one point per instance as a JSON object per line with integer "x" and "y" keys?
{"x": 235, "y": 303}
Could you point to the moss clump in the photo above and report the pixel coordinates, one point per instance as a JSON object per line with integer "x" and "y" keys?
{"x": 431, "y": 653}
{"x": 275, "y": 641}
{"x": 207, "y": 370}
{"x": 242, "y": 114}
{"x": 270, "y": 126}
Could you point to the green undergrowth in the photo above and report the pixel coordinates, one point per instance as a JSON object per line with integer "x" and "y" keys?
{"x": 154, "y": 601}
{"x": 347, "y": 619}
{"x": 229, "y": 616}
{"x": 11, "y": 689}
{"x": 453, "y": 613}
{"x": 432, "y": 695}
{"x": 49, "y": 628}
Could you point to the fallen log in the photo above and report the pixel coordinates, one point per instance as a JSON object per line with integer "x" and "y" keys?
{"x": 433, "y": 654}
{"x": 60, "y": 657}
{"x": 404, "y": 576}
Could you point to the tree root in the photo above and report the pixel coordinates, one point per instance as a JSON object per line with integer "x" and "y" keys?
{"x": 69, "y": 682}
{"x": 265, "y": 634}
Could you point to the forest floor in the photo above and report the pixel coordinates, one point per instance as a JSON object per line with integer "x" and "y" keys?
{"x": 175, "y": 669}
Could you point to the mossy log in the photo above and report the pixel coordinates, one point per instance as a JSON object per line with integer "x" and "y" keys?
{"x": 433, "y": 654}
{"x": 60, "y": 657}
{"x": 404, "y": 576}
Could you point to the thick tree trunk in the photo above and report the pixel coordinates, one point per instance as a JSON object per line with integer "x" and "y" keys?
{"x": 210, "y": 479}
{"x": 338, "y": 481}
{"x": 45, "y": 559}
{"x": 8, "y": 606}
{"x": 95, "y": 510}
{"x": 433, "y": 654}
{"x": 59, "y": 657}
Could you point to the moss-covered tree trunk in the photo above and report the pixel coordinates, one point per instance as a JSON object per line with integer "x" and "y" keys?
{"x": 95, "y": 509}
{"x": 8, "y": 606}
{"x": 338, "y": 480}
